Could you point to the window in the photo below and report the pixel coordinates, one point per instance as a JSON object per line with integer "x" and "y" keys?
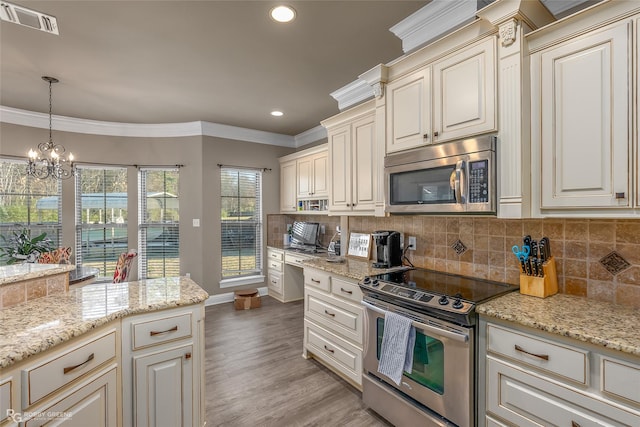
{"x": 159, "y": 254}
{"x": 27, "y": 202}
{"x": 101, "y": 217}
{"x": 241, "y": 226}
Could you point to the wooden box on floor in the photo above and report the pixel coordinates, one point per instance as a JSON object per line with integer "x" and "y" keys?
{"x": 541, "y": 287}
{"x": 246, "y": 299}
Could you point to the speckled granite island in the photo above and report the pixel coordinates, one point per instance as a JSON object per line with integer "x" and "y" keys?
{"x": 82, "y": 352}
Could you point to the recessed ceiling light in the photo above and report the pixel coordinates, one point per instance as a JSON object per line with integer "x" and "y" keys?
{"x": 277, "y": 113}
{"x": 282, "y": 13}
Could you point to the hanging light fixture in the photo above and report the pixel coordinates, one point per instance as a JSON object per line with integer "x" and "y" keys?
{"x": 49, "y": 160}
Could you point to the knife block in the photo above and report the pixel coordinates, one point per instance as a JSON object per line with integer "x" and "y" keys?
{"x": 541, "y": 287}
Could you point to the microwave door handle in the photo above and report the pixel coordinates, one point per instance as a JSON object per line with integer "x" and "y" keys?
{"x": 460, "y": 197}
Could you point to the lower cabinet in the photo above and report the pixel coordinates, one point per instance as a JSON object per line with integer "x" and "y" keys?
{"x": 532, "y": 379}
{"x": 284, "y": 275}
{"x": 162, "y": 365}
{"x": 333, "y": 323}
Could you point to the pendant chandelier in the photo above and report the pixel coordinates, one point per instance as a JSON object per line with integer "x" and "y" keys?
{"x": 49, "y": 160}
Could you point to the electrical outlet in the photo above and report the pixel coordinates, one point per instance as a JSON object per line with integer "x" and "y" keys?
{"x": 412, "y": 243}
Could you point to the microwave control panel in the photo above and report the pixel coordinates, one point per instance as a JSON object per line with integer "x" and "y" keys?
{"x": 479, "y": 181}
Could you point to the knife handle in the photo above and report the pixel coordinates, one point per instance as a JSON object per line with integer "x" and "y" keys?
{"x": 534, "y": 264}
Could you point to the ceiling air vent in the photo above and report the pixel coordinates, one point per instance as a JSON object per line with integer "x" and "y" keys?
{"x": 29, "y": 18}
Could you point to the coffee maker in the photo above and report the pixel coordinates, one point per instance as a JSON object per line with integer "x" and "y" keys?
{"x": 388, "y": 251}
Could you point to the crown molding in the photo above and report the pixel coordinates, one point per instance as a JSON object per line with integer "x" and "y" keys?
{"x": 163, "y": 130}
{"x": 352, "y": 94}
{"x": 432, "y": 21}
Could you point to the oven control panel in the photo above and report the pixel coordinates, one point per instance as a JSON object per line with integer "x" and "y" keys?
{"x": 479, "y": 181}
{"x": 440, "y": 302}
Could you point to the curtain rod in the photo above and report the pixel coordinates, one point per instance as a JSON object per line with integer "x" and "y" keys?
{"x": 10, "y": 156}
{"x": 220, "y": 165}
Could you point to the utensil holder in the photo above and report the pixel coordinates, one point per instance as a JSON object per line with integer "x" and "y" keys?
{"x": 541, "y": 287}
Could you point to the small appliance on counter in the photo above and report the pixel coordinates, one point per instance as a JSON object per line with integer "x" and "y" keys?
{"x": 388, "y": 251}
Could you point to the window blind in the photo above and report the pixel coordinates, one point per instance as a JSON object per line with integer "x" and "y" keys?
{"x": 29, "y": 203}
{"x": 158, "y": 228}
{"x": 241, "y": 222}
{"x": 101, "y": 217}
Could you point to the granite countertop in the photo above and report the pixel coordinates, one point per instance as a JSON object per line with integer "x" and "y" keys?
{"x": 18, "y": 272}
{"x": 352, "y": 268}
{"x": 596, "y": 322}
{"x": 38, "y": 325}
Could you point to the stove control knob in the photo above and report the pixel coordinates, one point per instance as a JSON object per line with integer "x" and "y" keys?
{"x": 443, "y": 300}
{"x": 375, "y": 283}
{"x": 457, "y": 304}
{"x": 366, "y": 280}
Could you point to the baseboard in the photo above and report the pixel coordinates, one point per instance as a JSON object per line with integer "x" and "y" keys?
{"x": 228, "y": 297}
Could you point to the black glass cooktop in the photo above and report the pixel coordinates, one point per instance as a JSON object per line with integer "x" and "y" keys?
{"x": 429, "y": 281}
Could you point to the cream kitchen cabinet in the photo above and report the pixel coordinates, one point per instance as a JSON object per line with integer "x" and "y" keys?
{"x": 533, "y": 379}
{"x": 288, "y": 187}
{"x": 409, "y": 111}
{"x": 582, "y": 136}
{"x": 284, "y": 274}
{"x": 464, "y": 93}
{"x": 333, "y": 323}
{"x": 313, "y": 173}
{"x": 354, "y": 161}
{"x": 163, "y": 370}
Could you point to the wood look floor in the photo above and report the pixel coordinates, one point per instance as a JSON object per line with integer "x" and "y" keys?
{"x": 256, "y": 376}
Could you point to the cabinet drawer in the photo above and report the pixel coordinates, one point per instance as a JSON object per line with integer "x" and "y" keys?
{"x": 527, "y": 400}
{"x": 41, "y": 380}
{"x": 317, "y": 279}
{"x": 275, "y": 255}
{"x": 621, "y": 379}
{"x": 348, "y": 290}
{"x": 336, "y": 352}
{"x": 158, "y": 331}
{"x": 294, "y": 259}
{"x": 6, "y": 397}
{"x": 550, "y": 357}
{"x": 275, "y": 282}
{"x": 274, "y": 265}
{"x": 340, "y": 317}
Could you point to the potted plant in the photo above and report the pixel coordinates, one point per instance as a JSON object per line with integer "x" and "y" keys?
{"x": 20, "y": 247}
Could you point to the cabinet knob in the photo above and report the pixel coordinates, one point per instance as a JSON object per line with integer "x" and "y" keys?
{"x": 620, "y": 195}
{"x": 348, "y": 205}
{"x": 425, "y": 136}
{"x": 574, "y": 424}
{"x": 435, "y": 133}
{"x": 187, "y": 356}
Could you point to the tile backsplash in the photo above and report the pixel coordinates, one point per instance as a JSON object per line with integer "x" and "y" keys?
{"x": 582, "y": 247}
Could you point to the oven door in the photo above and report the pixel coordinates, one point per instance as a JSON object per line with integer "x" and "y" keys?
{"x": 441, "y": 377}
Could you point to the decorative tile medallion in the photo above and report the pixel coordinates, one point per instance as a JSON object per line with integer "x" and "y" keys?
{"x": 614, "y": 263}
{"x": 459, "y": 247}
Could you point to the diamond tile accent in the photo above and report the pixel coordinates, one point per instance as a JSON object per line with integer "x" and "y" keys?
{"x": 614, "y": 263}
{"x": 459, "y": 247}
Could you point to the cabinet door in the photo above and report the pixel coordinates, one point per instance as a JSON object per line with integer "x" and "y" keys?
{"x": 288, "y": 201}
{"x": 585, "y": 120}
{"x": 164, "y": 388}
{"x": 305, "y": 177}
{"x": 340, "y": 168}
{"x": 464, "y": 93}
{"x": 409, "y": 111}
{"x": 363, "y": 161}
{"x": 320, "y": 169}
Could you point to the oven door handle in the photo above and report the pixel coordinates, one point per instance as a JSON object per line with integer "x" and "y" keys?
{"x": 428, "y": 328}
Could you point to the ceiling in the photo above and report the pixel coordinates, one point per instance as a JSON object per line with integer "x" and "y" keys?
{"x": 223, "y": 62}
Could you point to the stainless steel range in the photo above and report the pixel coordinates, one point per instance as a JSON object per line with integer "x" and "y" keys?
{"x": 440, "y": 390}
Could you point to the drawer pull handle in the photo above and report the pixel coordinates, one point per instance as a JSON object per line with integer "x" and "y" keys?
{"x": 315, "y": 281}
{"x": 187, "y": 356}
{"x": 329, "y": 350}
{"x": 154, "y": 333}
{"x": 574, "y": 424}
{"x": 329, "y": 314}
{"x": 71, "y": 368}
{"x": 346, "y": 291}
{"x": 539, "y": 356}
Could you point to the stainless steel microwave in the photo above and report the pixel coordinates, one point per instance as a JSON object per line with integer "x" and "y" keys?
{"x": 455, "y": 177}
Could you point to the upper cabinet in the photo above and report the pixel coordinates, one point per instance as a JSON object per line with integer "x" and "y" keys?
{"x": 312, "y": 176}
{"x": 582, "y": 119}
{"x": 409, "y": 111}
{"x": 453, "y": 98}
{"x": 464, "y": 93}
{"x": 288, "y": 190}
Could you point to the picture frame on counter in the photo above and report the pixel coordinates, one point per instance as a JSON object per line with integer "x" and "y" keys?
{"x": 359, "y": 245}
